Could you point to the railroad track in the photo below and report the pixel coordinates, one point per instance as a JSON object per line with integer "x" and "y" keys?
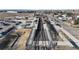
{"x": 41, "y": 40}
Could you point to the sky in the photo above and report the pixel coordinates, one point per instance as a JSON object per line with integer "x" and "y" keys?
{"x": 39, "y": 4}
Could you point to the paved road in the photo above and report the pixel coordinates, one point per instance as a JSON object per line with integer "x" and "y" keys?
{"x": 73, "y": 31}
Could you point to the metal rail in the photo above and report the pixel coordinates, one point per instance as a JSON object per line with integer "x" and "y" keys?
{"x": 41, "y": 37}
